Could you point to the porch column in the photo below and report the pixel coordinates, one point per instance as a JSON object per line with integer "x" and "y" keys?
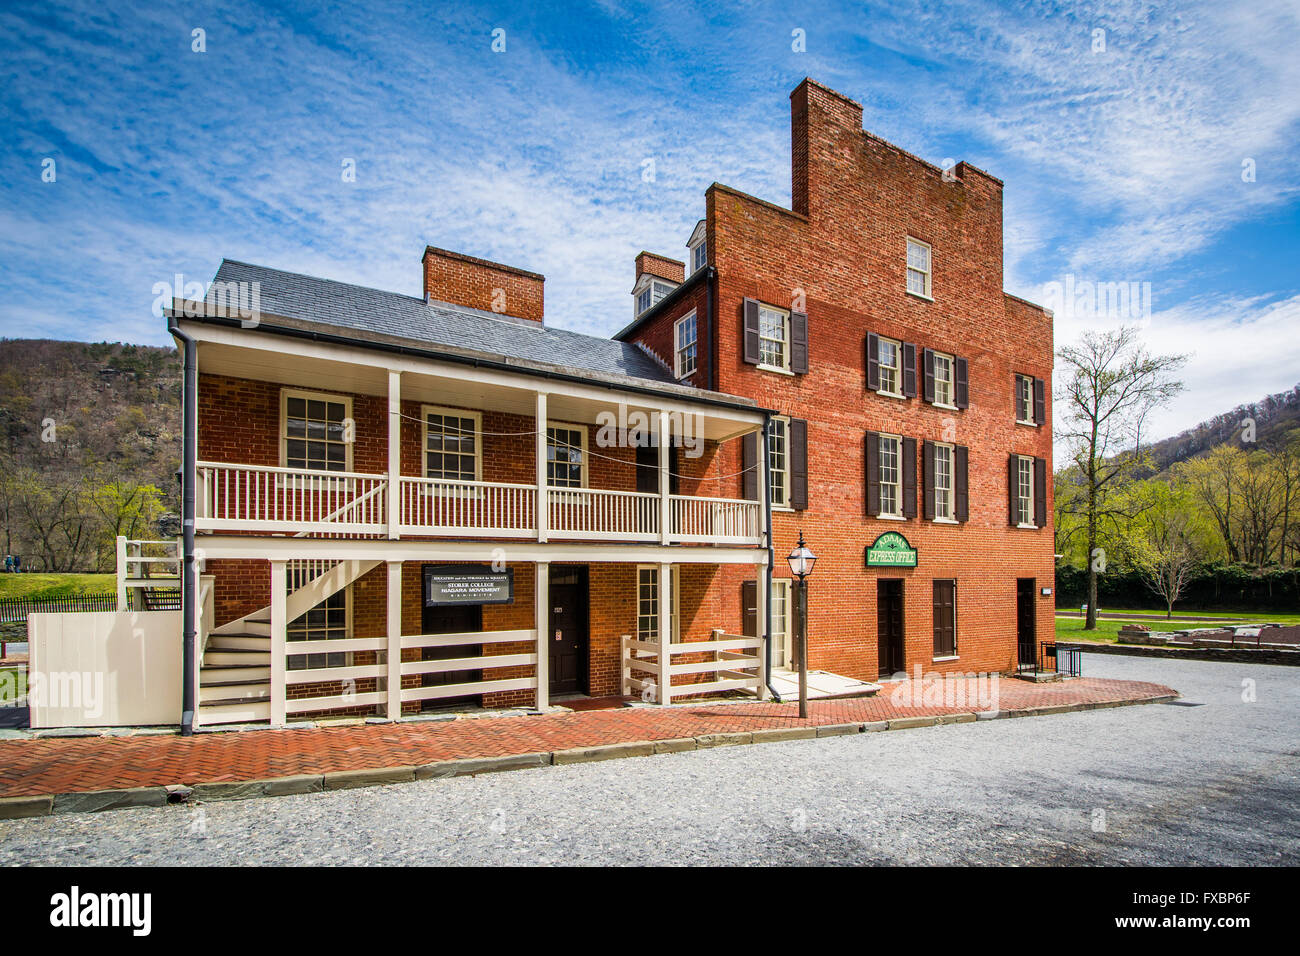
{"x": 665, "y": 634}
{"x": 394, "y": 452}
{"x": 122, "y": 604}
{"x": 542, "y": 609}
{"x": 543, "y": 516}
{"x": 665, "y": 506}
{"x": 393, "y": 706}
{"x": 279, "y": 625}
{"x": 764, "y": 485}
{"x": 763, "y": 628}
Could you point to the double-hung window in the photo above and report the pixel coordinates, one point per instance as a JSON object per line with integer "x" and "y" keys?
{"x": 685, "y": 344}
{"x": 1025, "y": 491}
{"x": 918, "y": 267}
{"x": 1024, "y": 400}
{"x": 890, "y": 356}
{"x": 943, "y": 483}
{"x": 773, "y": 337}
{"x": 891, "y": 476}
{"x": 566, "y": 457}
{"x": 778, "y": 457}
{"x": 647, "y": 603}
{"x": 451, "y": 444}
{"x": 314, "y": 431}
{"x": 652, "y": 294}
{"x": 699, "y": 256}
{"x": 943, "y": 379}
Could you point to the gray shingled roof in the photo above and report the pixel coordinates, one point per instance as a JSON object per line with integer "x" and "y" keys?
{"x": 390, "y": 314}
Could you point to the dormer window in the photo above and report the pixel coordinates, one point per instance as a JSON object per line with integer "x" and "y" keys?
{"x": 651, "y": 291}
{"x": 698, "y": 251}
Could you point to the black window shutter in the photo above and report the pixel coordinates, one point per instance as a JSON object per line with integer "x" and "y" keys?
{"x": 909, "y": 369}
{"x": 873, "y": 362}
{"x": 749, "y": 467}
{"x": 909, "y": 477}
{"x": 749, "y": 608}
{"x": 1040, "y": 402}
{"x": 871, "y": 465}
{"x": 963, "y": 384}
{"x": 798, "y": 343}
{"x": 927, "y": 373}
{"x": 674, "y": 469}
{"x": 798, "y": 464}
{"x": 1040, "y": 492}
{"x": 961, "y": 485}
{"x": 1013, "y": 489}
{"x": 751, "y": 345}
{"x": 647, "y": 469}
{"x": 927, "y": 481}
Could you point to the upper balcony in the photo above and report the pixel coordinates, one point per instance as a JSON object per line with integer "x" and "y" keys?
{"x": 322, "y": 439}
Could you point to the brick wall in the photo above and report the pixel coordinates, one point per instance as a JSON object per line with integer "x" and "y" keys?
{"x": 480, "y": 284}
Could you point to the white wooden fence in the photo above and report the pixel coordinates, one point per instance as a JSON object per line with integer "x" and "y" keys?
{"x": 735, "y": 663}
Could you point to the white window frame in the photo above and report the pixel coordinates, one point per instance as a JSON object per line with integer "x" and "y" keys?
{"x": 949, "y": 382}
{"x": 897, "y": 484}
{"x": 896, "y": 368}
{"x": 699, "y": 255}
{"x": 911, "y": 270}
{"x": 680, "y": 368}
{"x": 1024, "y": 400}
{"x": 647, "y": 623}
{"x": 586, "y": 458}
{"x": 784, "y": 341}
{"x": 1025, "y": 492}
{"x": 781, "y": 455}
{"x": 425, "y": 412}
{"x": 781, "y": 596}
{"x": 305, "y": 632}
{"x": 344, "y": 400}
{"x": 947, "y": 497}
{"x": 658, "y": 290}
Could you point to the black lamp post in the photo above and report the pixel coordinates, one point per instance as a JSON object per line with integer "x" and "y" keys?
{"x": 801, "y": 564}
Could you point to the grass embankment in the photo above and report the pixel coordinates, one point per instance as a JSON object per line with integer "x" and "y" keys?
{"x": 55, "y": 585}
{"x": 1189, "y": 617}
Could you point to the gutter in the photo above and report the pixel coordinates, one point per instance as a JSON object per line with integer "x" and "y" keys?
{"x": 771, "y": 558}
{"x": 189, "y": 471}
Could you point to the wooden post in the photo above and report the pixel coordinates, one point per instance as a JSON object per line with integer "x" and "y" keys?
{"x": 665, "y": 635}
{"x": 394, "y": 453}
{"x": 121, "y": 574}
{"x": 626, "y": 662}
{"x": 664, "y": 485}
{"x": 542, "y": 616}
{"x": 393, "y": 706}
{"x": 279, "y": 625}
{"x": 543, "y": 516}
{"x": 761, "y": 622}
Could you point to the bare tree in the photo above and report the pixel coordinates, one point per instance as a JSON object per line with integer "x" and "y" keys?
{"x": 1163, "y": 543}
{"x": 1109, "y": 386}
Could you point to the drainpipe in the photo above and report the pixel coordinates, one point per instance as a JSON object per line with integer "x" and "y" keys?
{"x": 713, "y": 333}
{"x": 189, "y": 472}
{"x": 771, "y": 558}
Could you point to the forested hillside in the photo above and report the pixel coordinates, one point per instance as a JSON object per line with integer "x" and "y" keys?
{"x": 89, "y": 447}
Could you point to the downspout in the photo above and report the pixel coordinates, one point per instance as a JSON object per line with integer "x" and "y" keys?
{"x": 189, "y": 473}
{"x": 713, "y": 332}
{"x": 771, "y": 557}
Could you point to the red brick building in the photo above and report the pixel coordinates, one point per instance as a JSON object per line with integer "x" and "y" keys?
{"x": 404, "y": 502}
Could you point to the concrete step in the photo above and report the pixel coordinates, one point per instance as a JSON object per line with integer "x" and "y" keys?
{"x": 225, "y": 642}
{"x": 234, "y": 673}
{"x": 235, "y": 690}
{"x": 234, "y": 712}
{"x": 244, "y": 656}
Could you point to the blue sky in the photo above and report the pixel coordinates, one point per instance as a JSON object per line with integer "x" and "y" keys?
{"x": 1121, "y": 164}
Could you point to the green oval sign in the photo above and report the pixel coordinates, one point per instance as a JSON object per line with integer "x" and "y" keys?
{"x": 891, "y": 550}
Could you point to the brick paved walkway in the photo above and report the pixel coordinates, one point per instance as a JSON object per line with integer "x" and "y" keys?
{"x": 76, "y": 764}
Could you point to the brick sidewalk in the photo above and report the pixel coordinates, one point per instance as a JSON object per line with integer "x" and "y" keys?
{"x": 81, "y": 764}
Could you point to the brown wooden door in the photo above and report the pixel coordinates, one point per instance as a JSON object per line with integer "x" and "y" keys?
{"x": 451, "y": 619}
{"x": 1026, "y": 624}
{"x": 889, "y": 626}
{"x": 568, "y": 630}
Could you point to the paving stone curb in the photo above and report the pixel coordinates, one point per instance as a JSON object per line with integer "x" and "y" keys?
{"x": 97, "y": 800}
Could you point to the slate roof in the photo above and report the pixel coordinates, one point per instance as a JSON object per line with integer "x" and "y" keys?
{"x": 390, "y": 315}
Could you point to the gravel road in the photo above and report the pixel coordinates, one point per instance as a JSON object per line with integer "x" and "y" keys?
{"x": 1217, "y": 783}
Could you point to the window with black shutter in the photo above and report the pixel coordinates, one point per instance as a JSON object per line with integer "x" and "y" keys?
{"x": 798, "y": 343}
{"x": 798, "y": 464}
{"x": 927, "y": 482}
{"x": 752, "y": 349}
{"x": 1040, "y": 492}
{"x": 749, "y": 608}
{"x": 961, "y": 493}
{"x": 873, "y": 362}
{"x": 927, "y": 375}
{"x": 963, "y": 384}
{"x": 945, "y": 618}
{"x": 909, "y": 477}
{"x": 871, "y": 466}
{"x": 749, "y": 467}
{"x": 1040, "y": 402}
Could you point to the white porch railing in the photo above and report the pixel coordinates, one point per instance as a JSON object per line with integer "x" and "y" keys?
{"x": 468, "y": 507}
{"x": 729, "y": 659}
{"x": 345, "y": 504}
{"x": 716, "y": 520}
{"x": 597, "y": 513}
{"x": 263, "y": 498}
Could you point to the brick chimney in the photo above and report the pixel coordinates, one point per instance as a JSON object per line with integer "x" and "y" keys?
{"x": 674, "y": 270}
{"x": 824, "y": 128}
{"x": 480, "y": 284}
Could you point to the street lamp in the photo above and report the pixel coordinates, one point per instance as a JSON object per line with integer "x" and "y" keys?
{"x": 801, "y": 565}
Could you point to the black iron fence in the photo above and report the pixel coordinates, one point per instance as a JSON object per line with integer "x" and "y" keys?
{"x": 17, "y": 609}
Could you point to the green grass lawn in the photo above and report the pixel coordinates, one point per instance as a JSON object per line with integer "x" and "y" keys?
{"x": 55, "y": 585}
{"x": 1071, "y": 629}
{"x": 13, "y": 685}
{"x": 1280, "y": 618}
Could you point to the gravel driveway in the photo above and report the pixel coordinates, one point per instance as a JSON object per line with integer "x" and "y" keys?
{"x": 1217, "y": 783}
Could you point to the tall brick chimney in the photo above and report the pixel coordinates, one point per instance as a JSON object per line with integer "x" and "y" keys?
{"x": 480, "y": 284}
{"x": 674, "y": 270}
{"x": 824, "y": 127}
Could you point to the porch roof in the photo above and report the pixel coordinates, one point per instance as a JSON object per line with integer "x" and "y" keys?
{"x": 393, "y": 316}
